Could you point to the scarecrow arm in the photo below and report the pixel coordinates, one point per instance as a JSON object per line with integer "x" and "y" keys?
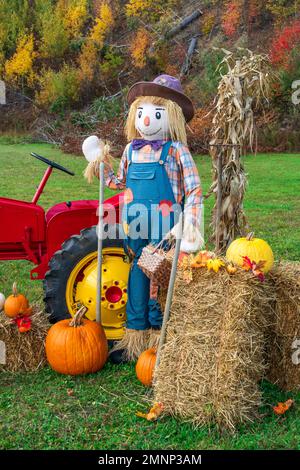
{"x": 116, "y": 181}
{"x": 192, "y": 234}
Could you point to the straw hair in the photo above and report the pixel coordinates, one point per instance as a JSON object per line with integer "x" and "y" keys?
{"x": 214, "y": 355}
{"x": 24, "y": 351}
{"x": 92, "y": 170}
{"x": 176, "y": 118}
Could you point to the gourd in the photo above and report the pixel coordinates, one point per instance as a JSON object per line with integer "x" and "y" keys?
{"x": 145, "y": 366}
{"x": 16, "y": 304}
{"x": 77, "y": 346}
{"x": 256, "y": 249}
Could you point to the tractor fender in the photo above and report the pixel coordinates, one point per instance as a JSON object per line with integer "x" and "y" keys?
{"x": 67, "y": 219}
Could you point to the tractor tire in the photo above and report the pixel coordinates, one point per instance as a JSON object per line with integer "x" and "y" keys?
{"x": 62, "y": 264}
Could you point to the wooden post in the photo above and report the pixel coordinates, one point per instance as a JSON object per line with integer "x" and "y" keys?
{"x": 219, "y": 197}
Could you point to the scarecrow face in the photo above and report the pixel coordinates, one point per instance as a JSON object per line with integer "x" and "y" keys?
{"x": 152, "y": 121}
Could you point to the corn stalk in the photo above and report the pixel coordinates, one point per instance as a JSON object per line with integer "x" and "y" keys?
{"x": 244, "y": 90}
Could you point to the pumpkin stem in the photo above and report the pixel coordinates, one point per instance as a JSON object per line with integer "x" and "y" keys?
{"x": 14, "y": 289}
{"x": 250, "y": 236}
{"x": 76, "y": 320}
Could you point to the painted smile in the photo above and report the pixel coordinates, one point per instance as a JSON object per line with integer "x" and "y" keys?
{"x": 149, "y": 135}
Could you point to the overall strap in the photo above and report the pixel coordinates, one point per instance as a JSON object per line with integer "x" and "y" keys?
{"x": 165, "y": 151}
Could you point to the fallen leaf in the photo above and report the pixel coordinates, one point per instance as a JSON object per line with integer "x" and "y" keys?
{"x": 282, "y": 407}
{"x": 153, "y": 414}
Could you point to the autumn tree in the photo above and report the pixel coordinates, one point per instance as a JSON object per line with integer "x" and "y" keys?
{"x": 19, "y": 68}
{"x": 139, "y": 47}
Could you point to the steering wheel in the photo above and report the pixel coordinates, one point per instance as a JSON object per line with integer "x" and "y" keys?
{"x": 52, "y": 164}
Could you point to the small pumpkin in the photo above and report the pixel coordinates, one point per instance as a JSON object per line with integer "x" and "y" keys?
{"x": 2, "y": 301}
{"x": 16, "y": 304}
{"x": 76, "y": 347}
{"x": 256, "y": 249}
{"x": 145, "y": 366}
{"x": 231, "y": 269}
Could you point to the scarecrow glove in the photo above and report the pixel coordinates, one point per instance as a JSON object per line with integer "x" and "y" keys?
{"x": 192, "y": 239}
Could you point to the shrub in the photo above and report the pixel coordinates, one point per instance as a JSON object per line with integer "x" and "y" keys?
{"x": 19, "y": 69}
{"x": 54, "y": 37}
{"x": 101, "y": 110}
{"x": 208, "y": 22}
{"x": 103, "y": 24}
{"x": 231, "y": 18}
{"x": 284, "y": 43}
{"x": 58, "y": 90}
{"x": 139, "y": 46}
{"x": 112, "y": 61}
{"x": 88, "y": 62}
{"x": 152, "y": 10}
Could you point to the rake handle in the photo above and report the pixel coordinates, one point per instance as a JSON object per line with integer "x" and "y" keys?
{"x": 100, "y": 242}
{"x": 169, "y": 299}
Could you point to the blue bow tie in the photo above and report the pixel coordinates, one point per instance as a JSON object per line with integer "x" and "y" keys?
{"x": 137, "y": 144}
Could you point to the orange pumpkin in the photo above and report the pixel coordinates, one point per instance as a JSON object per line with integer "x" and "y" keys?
{"x": 145, "y": 366}
{"x": 16, "y": 304}
{"x": 76, "y": 347}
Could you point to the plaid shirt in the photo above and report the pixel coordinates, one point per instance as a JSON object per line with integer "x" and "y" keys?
{"x": 182, "y": 173}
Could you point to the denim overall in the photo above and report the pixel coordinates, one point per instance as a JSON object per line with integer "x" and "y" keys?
{"x": 150, "y": 185}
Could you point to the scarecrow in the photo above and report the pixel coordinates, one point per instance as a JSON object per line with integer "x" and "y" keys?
{"x": 160, "y": 180}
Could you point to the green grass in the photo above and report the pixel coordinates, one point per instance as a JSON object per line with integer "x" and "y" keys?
{"x": 36, "y": 410}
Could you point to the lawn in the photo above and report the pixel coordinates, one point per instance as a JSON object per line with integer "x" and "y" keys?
{"x": 46, "y": 411}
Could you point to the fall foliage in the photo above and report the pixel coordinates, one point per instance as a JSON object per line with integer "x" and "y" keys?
{"x": 139, "y": 48}
{"x": 64, "y": 54}
{"x": 19, "y": 69}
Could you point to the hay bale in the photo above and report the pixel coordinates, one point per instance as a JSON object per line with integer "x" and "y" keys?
{"x": 214, "y": 354}
{"x": 284, "y": 339}
{"x": 23, "y": 351}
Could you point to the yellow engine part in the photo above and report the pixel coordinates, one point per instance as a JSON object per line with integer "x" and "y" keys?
{"x": 82, "y": 286}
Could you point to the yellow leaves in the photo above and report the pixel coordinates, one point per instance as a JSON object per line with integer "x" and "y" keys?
{"x": 214, "y": 264}
{"x": 58, "y": 89}
{"x": 152, "y": 9}
{"x": 136, "y": 7}
{"x": 208, "y": 22}
{"x": 138, "y": 49}
{"x": 76, "y": 16}
{"x": 103, "y": 24}
{"x": 153, "y": 414}
{"x": 87, "y": 62}
{"x": 18, "y": 69}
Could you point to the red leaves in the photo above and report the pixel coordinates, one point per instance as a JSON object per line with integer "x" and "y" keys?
{"x": 284, "y": 42}
{"x": 23, "y": 323}
{"x": 231, "y": 17}
{"x": 256, "y": 268}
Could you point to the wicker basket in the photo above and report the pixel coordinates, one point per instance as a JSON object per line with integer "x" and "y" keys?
{"x": 156, "y": 263}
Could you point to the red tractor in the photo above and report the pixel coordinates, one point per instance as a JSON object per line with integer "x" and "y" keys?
{"x": 62, "y": 244}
